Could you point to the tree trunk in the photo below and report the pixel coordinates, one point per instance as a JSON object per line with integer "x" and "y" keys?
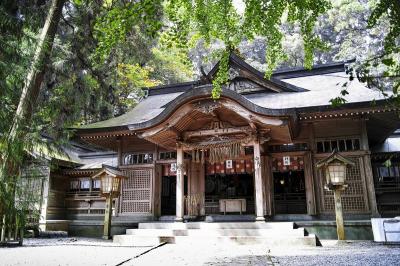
{"x": 38, "y": 68}
{"x": 28, "y": 100}
{"x": 34, "y": 79}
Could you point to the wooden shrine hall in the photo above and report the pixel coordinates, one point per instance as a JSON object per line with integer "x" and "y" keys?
{"x": 252, "y": 152}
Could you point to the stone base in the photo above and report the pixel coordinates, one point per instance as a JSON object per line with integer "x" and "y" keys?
{"x": 179, "y": 219}
{"x": 242, "y": 233}
{"x": 260, "y": 219}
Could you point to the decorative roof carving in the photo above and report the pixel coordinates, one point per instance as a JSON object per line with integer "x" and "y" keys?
{"x": 207, "y": 107}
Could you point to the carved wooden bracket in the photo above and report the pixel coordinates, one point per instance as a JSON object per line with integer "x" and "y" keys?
{"x": 207, "y": 107}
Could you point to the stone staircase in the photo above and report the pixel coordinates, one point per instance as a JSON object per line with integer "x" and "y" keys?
{"x": 269, "y": 233}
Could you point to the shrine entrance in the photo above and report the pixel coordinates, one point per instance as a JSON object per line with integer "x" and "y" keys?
{"x": 209, "y": 134}
{"x": 168, "y": 191}
{"x": 290, "y": 192}
{"x": 229, "y": 190}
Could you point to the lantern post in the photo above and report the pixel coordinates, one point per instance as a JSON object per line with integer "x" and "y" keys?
{"x": 110, "y": 179}
{"x": 335, "y": 166}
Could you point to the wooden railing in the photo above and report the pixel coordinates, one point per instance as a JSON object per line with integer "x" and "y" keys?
{"x": 84, "y": 202}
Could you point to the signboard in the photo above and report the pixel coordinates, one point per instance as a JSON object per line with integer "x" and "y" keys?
{"x": 173, "y": 167}
{"x": 286, "y": 160}
{"x": 229, "y": 164}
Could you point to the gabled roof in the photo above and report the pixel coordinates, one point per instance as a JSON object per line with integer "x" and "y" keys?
{"x": 334, "y": 156}
{"x": 249, "y": 72}
{"x": 109, "y": 170}
{"x": 301, "y": 90}
{"x": 246, "y": 72}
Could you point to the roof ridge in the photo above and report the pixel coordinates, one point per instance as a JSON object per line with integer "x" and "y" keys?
{"x": 294, "y": 72}
{"x": 276, "y": 78}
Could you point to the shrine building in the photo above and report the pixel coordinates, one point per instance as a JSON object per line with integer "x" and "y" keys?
{"x": 251, "y": 154}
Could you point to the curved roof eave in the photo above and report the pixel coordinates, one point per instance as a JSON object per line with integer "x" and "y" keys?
{"x": 205, "y": 91}
{"x": 196, "y": 92}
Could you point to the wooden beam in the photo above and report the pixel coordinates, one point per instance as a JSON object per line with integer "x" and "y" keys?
{"x": 253, "y": 126}
{"x": 249, "y": 116}
{"x": 172, "y": 121}
{"x": 213, "y": 132}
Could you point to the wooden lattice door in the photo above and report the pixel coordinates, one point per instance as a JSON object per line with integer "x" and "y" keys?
{"x": 136, "y": 192}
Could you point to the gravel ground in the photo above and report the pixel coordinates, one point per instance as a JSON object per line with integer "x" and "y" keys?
{"x": 205, "y": 254}
{"x": 343, "y": 253}
{"x": 86, "y": 251}
{"x": 67, "y": 251}
{"x": 332, "y": 253}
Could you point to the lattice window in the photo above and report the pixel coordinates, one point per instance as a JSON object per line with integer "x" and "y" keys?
{"x": 136, "y": 192}
{"x": 139, "y": 158}
{"x": 348, "y": 144}
{"x": 353, "y": 198}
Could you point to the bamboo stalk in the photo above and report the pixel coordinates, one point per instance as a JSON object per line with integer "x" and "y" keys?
{"x": 3, "y": 229}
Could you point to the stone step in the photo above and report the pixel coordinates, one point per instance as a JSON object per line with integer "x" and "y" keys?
{"x": 226, "y": 225}
{"x": 216, "y": 232}
{"x": 133, "y": 240}
{"x": 309, "y": 240}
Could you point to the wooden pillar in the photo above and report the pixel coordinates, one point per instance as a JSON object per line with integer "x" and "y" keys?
{"x": 258, "y": 183}
{"x": 180, "y": 206}
{"x": 202, "y": 188}
{"x": 339, "y": 214}
{"x": 369, "y": 178}
{"x": 107, "y": 218}
{"x": 269, "y": 190}
{"x": 44, "y": 202}
{"x": 120, "y": 149}
{"x": 369, "y": 181}
{"x": 309, "y": 183}
{"x": 120, "y": 145}
{"x": 364, "y": 135}
{"x": 157, "y": 189}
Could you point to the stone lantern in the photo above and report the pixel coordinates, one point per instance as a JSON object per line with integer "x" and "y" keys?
{"x": 335, "y": 166}
{"x": 110, "y": 179}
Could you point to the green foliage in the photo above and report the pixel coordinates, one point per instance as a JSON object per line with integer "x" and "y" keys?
{"x": 110, "y": 49}
{"x": 221, "y": 22}
{"x": 382, "y": 69}
{"x": 222, "y": 75}
{"x": 114, "y": 25}
{"x": 170, "y": 65}
{"x": 264, "y": 18}
{"x": 390, "y": 10}
{"x": 132, "y": 78}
